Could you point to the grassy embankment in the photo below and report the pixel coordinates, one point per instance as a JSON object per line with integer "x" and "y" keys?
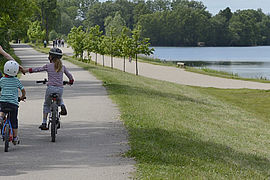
{"x": 182, "y": 132}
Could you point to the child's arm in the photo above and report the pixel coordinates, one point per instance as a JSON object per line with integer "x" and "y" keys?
{"x": 37, "y": 69}
{"x": 23, "y": 94}
{"x": 5, "y": 54}
{"x": 69, "y": 75}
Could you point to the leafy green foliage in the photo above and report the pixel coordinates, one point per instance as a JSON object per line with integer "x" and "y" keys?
{"x": 76, "y": 40}
{"x": 14, "y": 20}
{"x": 35, "y": 32}
{"x": 50, "y": 16}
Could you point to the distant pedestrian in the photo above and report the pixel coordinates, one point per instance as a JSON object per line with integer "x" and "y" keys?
{"x": 62, "y": 42}
{"x": 45, "y": 43}
{"x": 54, "y": 43}
{"x": 59, "y": 42}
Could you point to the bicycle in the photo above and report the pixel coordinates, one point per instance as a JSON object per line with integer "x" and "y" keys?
{"x": 54, "y": 117}
{"x": 6, "y": 128}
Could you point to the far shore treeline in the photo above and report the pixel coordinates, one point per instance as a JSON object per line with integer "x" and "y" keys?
{"x": 165, "y": 22}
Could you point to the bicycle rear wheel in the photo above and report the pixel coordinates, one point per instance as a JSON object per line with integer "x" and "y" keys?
{"x": 53, "y": 123}
{"x": 6, "y": 137}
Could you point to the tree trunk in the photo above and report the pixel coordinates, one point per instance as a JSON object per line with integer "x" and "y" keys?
{"x": 111, "y": 61}
{"x": 124, "y": 63}
{"x": 103, "y": 59}
{"x": 96, "y": 59}
{"x": 136, "y": 66}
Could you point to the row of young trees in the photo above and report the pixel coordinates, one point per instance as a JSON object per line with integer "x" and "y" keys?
{"x": 125, "y": 44}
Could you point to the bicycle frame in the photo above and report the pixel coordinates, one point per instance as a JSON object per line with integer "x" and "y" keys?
{"x": 7, "y": 121}
{"x": 54, "y": 115}
{"x": 7, "y": 131}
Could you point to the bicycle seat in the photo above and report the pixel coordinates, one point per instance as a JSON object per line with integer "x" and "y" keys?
{"x": 54, "y": 95}
{"x": 7, "y": 109}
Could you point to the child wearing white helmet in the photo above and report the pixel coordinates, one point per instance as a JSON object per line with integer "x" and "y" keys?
{"x": 9, "y": 85}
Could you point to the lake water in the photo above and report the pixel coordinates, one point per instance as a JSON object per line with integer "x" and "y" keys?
{"x": 251, "y": 62}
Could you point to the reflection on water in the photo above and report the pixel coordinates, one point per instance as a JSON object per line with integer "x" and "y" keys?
{"x": 242, "y": 69}
{"x": 250, "y": 62}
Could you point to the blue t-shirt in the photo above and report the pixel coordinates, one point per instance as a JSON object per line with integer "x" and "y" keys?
{"x": 9, "y": 89}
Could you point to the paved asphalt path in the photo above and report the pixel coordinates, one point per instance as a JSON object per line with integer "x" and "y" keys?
{"x": 175, "y": 75}
{"x": 90, "y": 142}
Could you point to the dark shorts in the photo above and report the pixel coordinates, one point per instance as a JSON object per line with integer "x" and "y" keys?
{"x": 13, "y": 114}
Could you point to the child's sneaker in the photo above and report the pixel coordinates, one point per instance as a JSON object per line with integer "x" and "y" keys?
{"x": 63, "y": 110}
{"x": 15, "y": 140}
{"x": 58, "y": 124}
{"x": 43, "y": 126}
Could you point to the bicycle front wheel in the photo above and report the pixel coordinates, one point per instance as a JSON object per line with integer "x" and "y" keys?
{"x": 7, "y": 137}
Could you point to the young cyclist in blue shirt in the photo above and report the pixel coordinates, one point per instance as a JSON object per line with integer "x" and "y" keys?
{"x": 9, "y": 85}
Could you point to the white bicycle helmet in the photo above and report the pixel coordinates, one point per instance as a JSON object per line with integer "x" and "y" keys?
{"x": 11, "y": 68}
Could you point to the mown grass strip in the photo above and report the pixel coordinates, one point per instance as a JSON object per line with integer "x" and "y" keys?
{"x": 182, "y": 132}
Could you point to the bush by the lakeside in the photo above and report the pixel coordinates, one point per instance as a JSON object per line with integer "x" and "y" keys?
{"x": 182, "y": 132}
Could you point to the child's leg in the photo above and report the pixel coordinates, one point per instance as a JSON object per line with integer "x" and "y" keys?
{"x": 1, "y": 117}
{"x": 46, "y": 105}
{"x": 45, "y": 116}
{"x": 15, "y": 132}
{"x": 14, "y": 121}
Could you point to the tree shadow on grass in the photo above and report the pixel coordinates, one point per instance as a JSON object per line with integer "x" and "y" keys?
{"x": 155, "y": 146}
{"x": 150, "y": 93}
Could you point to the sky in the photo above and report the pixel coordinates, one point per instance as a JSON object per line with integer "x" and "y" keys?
{"x": 214, "y": 6}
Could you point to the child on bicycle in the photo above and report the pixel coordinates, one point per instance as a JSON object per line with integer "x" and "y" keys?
{"x": 55, "y": 70}
{"x": 9, "y": 85}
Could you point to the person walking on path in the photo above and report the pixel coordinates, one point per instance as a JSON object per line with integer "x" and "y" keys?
{"x": 55, "y": 70}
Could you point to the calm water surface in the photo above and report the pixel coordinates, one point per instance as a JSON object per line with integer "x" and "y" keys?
{"x": 251, "y": 62}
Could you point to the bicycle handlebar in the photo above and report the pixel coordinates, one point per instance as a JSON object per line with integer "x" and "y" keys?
{"x": 19, "y": 99}
{"x": 45, "y": 81}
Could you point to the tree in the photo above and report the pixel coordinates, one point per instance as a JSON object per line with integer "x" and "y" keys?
{"x": 102, "y": 47}
{"x": 49, "y": 15}
{"x": 112, "y": 46}
{"x": 125, "y": 42}
{"x": 97, "y": 40}
{"x": 75, "y": 40}
{"x": 244, "y": 27}
{"x": 14, "y": 20}
{"x": 116, "y": 22}
{"x": 35, "y": 32}
{"x": 92, "y": 40}
{"x": 140, "y": 46}
{"x": 66, "y": 24}
{"x": 220, "y": 33}
{"x": 98, "y": 12}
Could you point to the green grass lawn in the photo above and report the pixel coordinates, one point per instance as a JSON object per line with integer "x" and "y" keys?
{"x": 183, "y": 132}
